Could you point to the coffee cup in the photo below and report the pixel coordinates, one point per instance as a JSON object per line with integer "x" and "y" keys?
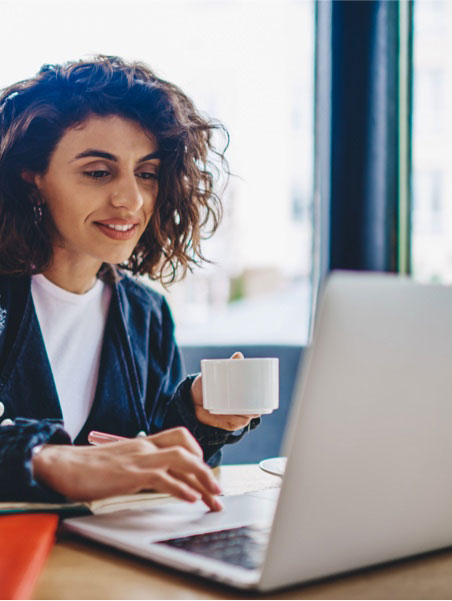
{"x": 240, "y": 386}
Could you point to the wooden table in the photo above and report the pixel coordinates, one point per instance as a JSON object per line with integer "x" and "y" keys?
{"x": 80, "y": 569}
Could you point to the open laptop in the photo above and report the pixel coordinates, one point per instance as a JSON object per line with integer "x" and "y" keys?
{"x": 369, "y": 444}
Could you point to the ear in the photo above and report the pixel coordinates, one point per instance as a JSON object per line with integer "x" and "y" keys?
{"x": 30, "y": 177}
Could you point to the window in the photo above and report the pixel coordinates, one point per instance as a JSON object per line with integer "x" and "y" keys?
{"x": 432, "y": 147}
{"x": 250, "y": 64}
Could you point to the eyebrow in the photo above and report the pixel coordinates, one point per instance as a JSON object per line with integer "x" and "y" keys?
{"x": 92, "y": 152}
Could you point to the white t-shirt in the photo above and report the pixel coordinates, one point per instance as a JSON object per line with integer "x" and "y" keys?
{"x": 73, "y": 327}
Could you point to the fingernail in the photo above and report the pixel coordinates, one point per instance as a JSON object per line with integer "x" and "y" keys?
{"x": 218, "y": 505}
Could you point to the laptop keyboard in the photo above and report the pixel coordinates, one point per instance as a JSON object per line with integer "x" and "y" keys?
{"x": 244, "y": 546}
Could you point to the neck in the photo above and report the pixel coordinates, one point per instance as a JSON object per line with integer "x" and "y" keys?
{"x": 76, "y": 275}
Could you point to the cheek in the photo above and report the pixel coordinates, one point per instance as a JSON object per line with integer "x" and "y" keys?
{"x": 64, "y": 212}
{"x": 69, "y": 205}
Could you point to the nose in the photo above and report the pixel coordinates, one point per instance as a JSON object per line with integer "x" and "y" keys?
{"x": 126, "y": 193}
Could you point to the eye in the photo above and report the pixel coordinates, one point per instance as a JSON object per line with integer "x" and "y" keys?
{"x": 148, "y": 175}
{"x": 96, "y": 174}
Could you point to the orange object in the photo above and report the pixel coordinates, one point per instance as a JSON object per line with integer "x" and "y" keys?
{"x": 25, "y": 543}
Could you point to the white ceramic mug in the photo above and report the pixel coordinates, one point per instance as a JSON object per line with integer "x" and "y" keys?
{"x": 240, "y": 386}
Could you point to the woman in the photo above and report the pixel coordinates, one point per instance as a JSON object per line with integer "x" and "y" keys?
{"x": 102, "y": 164}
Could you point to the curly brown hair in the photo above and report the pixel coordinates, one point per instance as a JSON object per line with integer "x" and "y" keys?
{"x": 35, "y": 114}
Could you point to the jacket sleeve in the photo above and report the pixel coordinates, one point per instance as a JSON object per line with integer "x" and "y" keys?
{"x": 17, "y": 442}
{"x": 174, "y": 405}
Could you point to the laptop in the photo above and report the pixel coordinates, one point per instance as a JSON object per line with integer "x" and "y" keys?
{"x": 368, "y": 477}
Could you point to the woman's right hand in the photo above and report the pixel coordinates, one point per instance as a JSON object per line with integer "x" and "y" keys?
{"x": 170, "y": 462}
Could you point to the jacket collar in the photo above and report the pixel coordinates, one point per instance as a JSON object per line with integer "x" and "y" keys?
{"x": 26, "y": 381}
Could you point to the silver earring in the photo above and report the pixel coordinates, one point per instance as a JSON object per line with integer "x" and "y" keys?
{"x": 37, "y": 207}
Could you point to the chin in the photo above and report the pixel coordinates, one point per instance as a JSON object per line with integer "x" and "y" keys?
{"x": 115, "y": 258}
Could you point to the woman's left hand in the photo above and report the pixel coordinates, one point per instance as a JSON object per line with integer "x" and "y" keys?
{"x": 226, "y": 422}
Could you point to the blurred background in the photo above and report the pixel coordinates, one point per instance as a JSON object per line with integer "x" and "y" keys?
{"x": 432, "y": 142}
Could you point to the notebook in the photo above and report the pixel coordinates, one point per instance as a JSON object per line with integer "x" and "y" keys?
{"x": 141, "y": 500}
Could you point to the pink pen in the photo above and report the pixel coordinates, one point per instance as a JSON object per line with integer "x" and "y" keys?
{"x": 95, "y": 437}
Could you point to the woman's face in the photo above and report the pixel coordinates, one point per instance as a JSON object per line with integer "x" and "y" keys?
{"x": 100, "y": 188}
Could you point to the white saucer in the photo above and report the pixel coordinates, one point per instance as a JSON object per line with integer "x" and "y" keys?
{"x": 275, "y": 465}
{"x": 240, "y": 411}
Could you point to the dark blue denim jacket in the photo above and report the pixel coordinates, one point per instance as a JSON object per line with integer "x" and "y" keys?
{"x": 139, "y": 384}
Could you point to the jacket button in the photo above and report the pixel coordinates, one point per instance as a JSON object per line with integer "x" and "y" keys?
{"x": 7, "y": 422}
{"x": 141, "y": 433}
{"x": 2, "y": 409}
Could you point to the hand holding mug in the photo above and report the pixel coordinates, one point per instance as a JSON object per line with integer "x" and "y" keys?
{"x": 226, "y": 422}
{"x": 232, "y": 392}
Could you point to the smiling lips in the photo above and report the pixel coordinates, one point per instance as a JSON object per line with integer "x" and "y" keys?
{"x": 117, "y": 229}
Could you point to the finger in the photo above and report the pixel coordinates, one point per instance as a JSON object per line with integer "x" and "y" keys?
{"x": 196, "y": 390}
{"x": 236, "y": 422}
{"x": 178, "y": 460}
{"x": 212, "y": 502}
{"x": 131, "y": 447}
{"x": 229, "y": 422}
{"x": 209, "y": 499}
{"x": 161, "y": 481}
{"x": 177, "y": 437}
{"x": 203, "y": 482}
{"x": 238, "y": 355}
